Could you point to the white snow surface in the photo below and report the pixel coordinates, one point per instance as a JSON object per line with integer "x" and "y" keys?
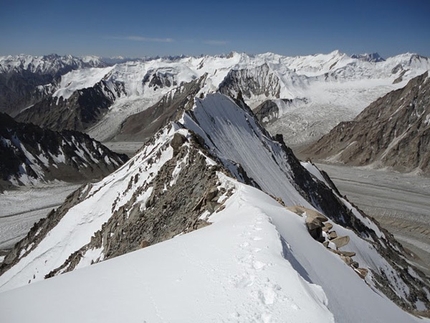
{"x": 44, "y": 64}
{"x": 233, "y": 135}
{"x": 79, "y": 79}
{"x": 255, "y": 263}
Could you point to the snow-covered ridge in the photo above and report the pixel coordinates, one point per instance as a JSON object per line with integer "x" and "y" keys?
{"x": 323, "y": 89}
{"x": 256, "y": 262}
{"x": 48, "y": 64}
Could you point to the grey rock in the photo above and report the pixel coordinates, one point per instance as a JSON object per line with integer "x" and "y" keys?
{"x": 332, "y": 235}
{"x": 177, "y": 141}
{"x": 341, "y": 241}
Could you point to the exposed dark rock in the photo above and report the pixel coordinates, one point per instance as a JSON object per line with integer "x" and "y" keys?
{"x": 82, "y": 110}
{"x": 244, "y": 81}
{"x": 177, "y": 141}
{"x": 170, "y": 212}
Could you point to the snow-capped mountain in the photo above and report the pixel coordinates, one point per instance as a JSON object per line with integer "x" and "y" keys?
{"x": 267, "y": 217}
{"x": 49, "y": 64}
{"x": 372, "y": 57}
{"x": 393, "y": 131}
{"x": 30, "y": 155}
{"x": 321, "y": 90}
{"x": 26, "y": 80}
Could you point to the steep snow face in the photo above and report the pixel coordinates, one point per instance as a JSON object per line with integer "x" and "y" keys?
{"x": 256, "y": 262}
{"x": 79, "y": 79}
{"x": 234, "y": 136}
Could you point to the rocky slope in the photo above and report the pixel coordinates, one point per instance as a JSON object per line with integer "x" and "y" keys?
{"x": 394, "y": 132}
{"x": 184, "y": 174}
{"x": 30, "y": 154}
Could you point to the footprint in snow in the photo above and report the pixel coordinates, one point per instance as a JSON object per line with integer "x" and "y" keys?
{"x": 258, "y": 265}
{"x": 245, "y": 281}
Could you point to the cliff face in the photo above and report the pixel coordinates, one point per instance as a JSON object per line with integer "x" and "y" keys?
{"x": 394, "y": 131}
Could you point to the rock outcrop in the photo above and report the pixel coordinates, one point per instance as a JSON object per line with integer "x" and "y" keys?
{"x": 79, "y": 112}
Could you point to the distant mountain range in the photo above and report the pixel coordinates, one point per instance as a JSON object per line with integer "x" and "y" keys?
{"x": 307, "y": 95}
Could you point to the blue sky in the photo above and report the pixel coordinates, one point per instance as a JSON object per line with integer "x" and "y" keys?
{"x": 150, "y": 28}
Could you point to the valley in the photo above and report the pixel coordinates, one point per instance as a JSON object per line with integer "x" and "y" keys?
{"x": 22, "y": 207}
{"x": 400, "y": 202}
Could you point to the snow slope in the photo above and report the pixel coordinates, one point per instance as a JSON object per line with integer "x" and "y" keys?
{"x": 80, "y": 79}
{"x": 217, "y": 118}
{"x": 242, "y": 268}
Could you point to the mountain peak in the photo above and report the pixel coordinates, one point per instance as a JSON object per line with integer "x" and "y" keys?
{"x": 372, "y": 57}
